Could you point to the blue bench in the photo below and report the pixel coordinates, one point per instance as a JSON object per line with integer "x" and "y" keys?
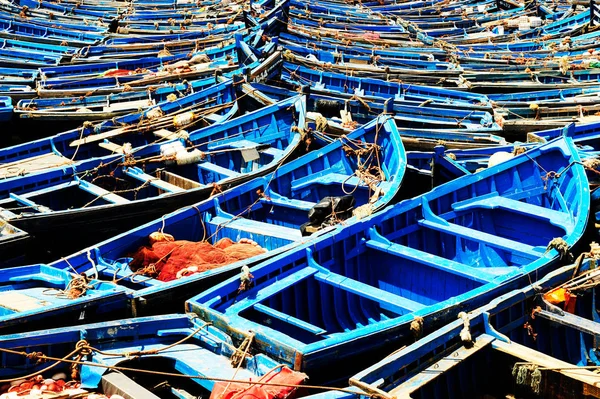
{"x": 557, "y": 218}
{"x": 139, "y": 174}
{"x": 261, "y": 228}
{"x": 211, "y": 167}
{"x": 393, "y": 302}
{"x": 380, "y": 243}
{"x": 100, "y": 192}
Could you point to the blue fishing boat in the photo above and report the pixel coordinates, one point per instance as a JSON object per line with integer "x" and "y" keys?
{"x": 107, "y": 195}
{"x": 340, "y": 83}
{"x": 538, "y": 340}
{"x": 174, "y": 356}
{"x": 546, "y": 97}
{"x": 244, "y": 226}
{"x": 99, "y": 107}
{"x": 408, "y": 114}
{"x": 51, "y": 35}
{"x": 408, "y": 75}
{"x": 339, "y": 113}
{"x": 29, "y": 294}
{"x": 91, "y": 108}
{"x": 482, "y": 234}
{"x": 584, "y": 134}
{"x": 215, "y": 104}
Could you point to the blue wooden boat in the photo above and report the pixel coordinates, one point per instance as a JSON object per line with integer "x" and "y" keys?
{"x": 29, "y": 294}
{"x": 534, "y": 347}
{"x": 333, "y": 45}
{"x": 464, "y": 233}
{"x": 338, "y": 83}
{"x": 272, "y": 220}
{"x": 414, "y": 122}
{"x": 91, "y": 108}
{"x": 584, "y": 134}
{"x": 214, "y": 104}
{"x": 127, "y": 357}
{"x": 151, "y": 64}
{"x": 107, "y": 195}
{"x": 98, "y": 107}
{"x": 546, "y": 97}
{"x": 41, "y": 34}
{"x": 111, "y": 84}
{"x": 407, "y": 75}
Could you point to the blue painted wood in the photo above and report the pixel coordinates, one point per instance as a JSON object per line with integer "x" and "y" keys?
{"x": 206, "y": 353}
{"x": 222, "y": 93}
{"x": 29, "y": 294}
{"x": 562, "y": 341}
{"x": 382, "y": 272}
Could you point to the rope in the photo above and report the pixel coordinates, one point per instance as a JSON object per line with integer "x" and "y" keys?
{"x": 39, "y": 358}
{"x": 66, "y": 359}
{"x": 153, "y": 351}
{"x": 416, "y": 327}
{"x": 465, "y": 334}
{"x": 239, "y": 359}
{"x": 560, "y": 245}
{"x": 528, "y": 374}
{"x": 76, "y": 288}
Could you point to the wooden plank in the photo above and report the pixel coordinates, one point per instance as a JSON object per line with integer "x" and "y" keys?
{"x": 289, "y": 203}
{"x": 397, "y": 302}
{"x": 18, "y": 302}
{"x": 129, "y": 105}
{"x": 165, "y": 134}
{"x": 261, "y": 228}
{"x": 46, "y": 190}
{"x": 112, "y": 147}
{"x": 532, "y": 356}
{"x": 101, "y": 136}
{"x": 138, "y": 174}
{"x": 558, "y": 218}
{"x": 273, "y": 289}
{"x": 434, "y": 261}
{"x": 211, "y": 167}
{"x": 32, "y": 164}
{"x": 326, "y": 177}
{"x": 29, "y": 203}
{"x": 484, "y": 238}
{"x": 289, "y": 319}
{"x": 179, "y": 181}
{"x": 444, "y": 365}
{"x": 100, "y": 192}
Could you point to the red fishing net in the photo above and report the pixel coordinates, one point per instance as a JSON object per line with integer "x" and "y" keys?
{"x": 169, "y": 260}
{"x": 239, "y": 390}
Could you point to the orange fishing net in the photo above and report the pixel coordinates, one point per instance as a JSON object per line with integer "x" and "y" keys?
{"x": 169, "y": 260}
{"x": 240, "y": 390}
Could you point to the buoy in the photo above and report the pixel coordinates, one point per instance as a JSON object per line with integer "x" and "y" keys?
{"x": 499, "y": 157}
{"x": 183, "y": 119}
{"x": 186, "y": 158}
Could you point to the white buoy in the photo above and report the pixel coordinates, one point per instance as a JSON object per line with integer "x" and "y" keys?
{"x": 499, "y": 157}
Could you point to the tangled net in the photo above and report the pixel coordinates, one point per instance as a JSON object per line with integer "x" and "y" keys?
{"x": 170, "y": 260}
{"x": 39, "y": 386}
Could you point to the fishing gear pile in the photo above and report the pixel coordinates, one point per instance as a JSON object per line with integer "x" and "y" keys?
{"x": 167, "y": 259}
